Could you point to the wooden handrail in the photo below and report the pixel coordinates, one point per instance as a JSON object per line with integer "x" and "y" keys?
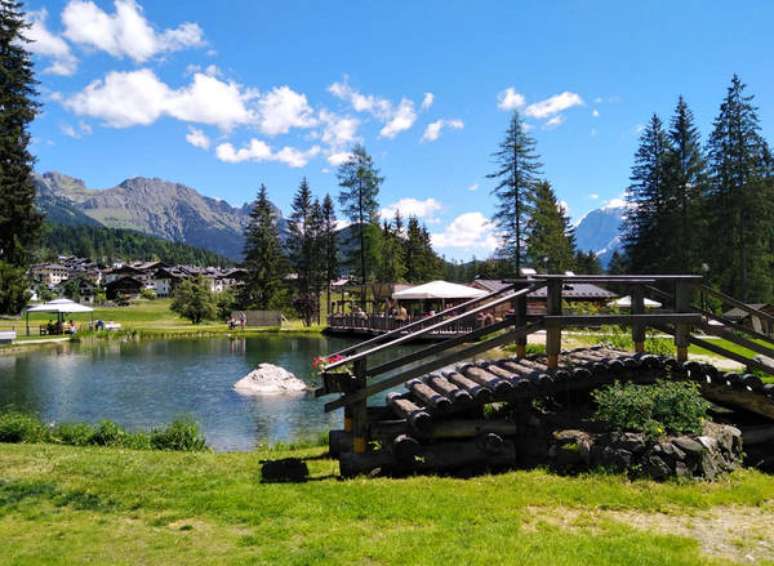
{"x": 427, "y": 329}
{"x": 402, "y": 329}
{"x": 738, "y": 304}
{"x": 450, "y": 358}
{"x": 735, "y": 325}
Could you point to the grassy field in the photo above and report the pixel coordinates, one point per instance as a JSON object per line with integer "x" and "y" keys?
{"x": 149, "y": 318}
{"x": 63, "y": 505}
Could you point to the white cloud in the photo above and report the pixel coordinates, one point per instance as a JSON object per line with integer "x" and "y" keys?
{"x": 595, "y": 113}
{"x": 594, "y": 196}
{"x": 473, "y": 187}
{"x": 425, "y": 209}
{"x": 509, "y": 99}
{"x": 258, "y": 150}
{"x": 468, "y": 230}
{"x": 427, "y": 101}
{"x": 615, "y": 203}
{"x": 126, "y": 32}
{"x": 46, "y": 44}
{"x": 124, "y": 99}
{"x": 639, "y": 128}
{"x": 70, "y": 131}
{"x": 593, "y": 132}
{"x": 553, "y": 105}
{"x": 554, "y": 122}
{"x": 563, "y": 206}
{"x": 396, "y": 119}
{"x": 339, "y": 157}
{"x": 402, "y": 119}
{"x": 197, "y": 138}
{"x": 281, "y": 109}
{"x": 433, "y": 129}
{"x": 338, "y": 130}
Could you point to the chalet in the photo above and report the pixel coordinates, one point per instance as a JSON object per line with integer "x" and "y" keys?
{"x": 49, "y": 274}
{"x": 757, "y": 323}
{"x": 164, "y": 281}
{"x": 536, "y": 301}
{"x": 124, "y": 288}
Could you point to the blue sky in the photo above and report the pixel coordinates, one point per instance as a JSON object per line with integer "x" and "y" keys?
{"x": 272, "y": 91}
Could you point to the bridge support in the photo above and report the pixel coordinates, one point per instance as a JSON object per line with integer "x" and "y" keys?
{"x": 520, "y": 312}
{"x": 638, "y": 329}
{"x": 554, "y": 332}
{"x": 359, "y": 412}
{"x": 683, "y": 291}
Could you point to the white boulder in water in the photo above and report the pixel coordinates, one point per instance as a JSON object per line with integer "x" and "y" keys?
{"x": 268, "y": 379}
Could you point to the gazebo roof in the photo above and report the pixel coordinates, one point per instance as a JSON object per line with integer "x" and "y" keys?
{"x": 439, "y": 290}
{"x": 61, "y": 306}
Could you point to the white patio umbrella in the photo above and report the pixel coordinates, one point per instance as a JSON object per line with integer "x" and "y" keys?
{"x": 441, "y": 290}
{"x": 60, "y": 307}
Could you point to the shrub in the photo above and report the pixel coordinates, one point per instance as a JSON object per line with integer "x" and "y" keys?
{"x": 21, "y": 427}
{"x": 108, "y": 433}
{"x": 74, "y": 434}
{"x": 620, "y": 339}
{"x": 675, "y": 407}
{"x": 181, "y": 434}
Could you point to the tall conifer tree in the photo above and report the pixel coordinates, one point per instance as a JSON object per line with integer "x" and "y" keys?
{"x": 740, "y": 196}
{"x": 551, "y": 241}
{"x": 644, "y": 237}
{"x": 330, "y": 245}
{"x": 360, "y": 183}
{"x": 19, "y": 220}
{"x": 518, "y": 167}
{"x": 264, "y": 260}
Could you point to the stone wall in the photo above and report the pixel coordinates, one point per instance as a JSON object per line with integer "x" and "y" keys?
{"x": 718, "y": 450}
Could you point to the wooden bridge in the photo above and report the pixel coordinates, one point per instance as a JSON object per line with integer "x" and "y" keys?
{"x": 436, "y": 423}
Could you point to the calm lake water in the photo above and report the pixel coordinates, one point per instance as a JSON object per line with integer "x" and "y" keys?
{"x": 142, "y": 384}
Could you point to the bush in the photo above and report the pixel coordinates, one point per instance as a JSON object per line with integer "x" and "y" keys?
{"x": 181, "y": 434}
{"x": 20, "y": 427}
{"x": 148, "y": 294}
{"x": 620, "y": 339}
{"x": 675, "y": 407}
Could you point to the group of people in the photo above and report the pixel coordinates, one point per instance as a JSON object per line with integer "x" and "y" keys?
{"x": 60, "y": 327}
{"x": 238, "y": 322}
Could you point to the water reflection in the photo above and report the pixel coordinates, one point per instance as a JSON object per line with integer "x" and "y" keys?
{"x": 142, "y": 384}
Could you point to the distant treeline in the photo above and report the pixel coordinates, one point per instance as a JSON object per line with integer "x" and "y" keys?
{"x": 105, "y": 245}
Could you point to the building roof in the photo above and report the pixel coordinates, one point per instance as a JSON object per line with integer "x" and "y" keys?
{"x": 491, "y": 285}
{"x": 439, "y": 290}
{"x": 577, "y": 291}
{"x": 737, "y": 313}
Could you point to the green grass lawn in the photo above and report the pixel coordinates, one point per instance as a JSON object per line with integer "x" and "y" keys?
{"x": 68, "y": 505}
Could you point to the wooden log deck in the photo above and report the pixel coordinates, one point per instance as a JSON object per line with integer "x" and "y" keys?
{"x": 377, "y": 324}
{"x": 437, "y": 422}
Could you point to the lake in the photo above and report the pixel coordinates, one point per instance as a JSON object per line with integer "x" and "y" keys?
{"x": 142, "y": 384}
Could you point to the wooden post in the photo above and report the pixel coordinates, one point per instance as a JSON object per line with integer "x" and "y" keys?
{"x": 520, "y": 315}
{"x": 638, "y": 329}
{"x": 683, "y": 331}
{"x": 360, "y": 411}
{"x": 554, "y": 333}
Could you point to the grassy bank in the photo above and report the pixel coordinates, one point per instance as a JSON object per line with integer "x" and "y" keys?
{"x": 146, "y": 319}
{"x": 65, "y": 504}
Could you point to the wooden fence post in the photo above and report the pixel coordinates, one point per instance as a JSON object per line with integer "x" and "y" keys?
{"x": 682, "y": 331}
{"x": 520, "y": 316}
{"x": 359, "y": 411}
{"x": 554, "y": 332}
{"x": 638, "y": 329}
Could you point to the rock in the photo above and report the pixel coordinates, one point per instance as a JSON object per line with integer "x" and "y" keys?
{"x": 285, "y": 470}
{"x": 708, "y": 442}
{"x": 656, "y": 468}
{"x": 688, "y": 445}
{"x": 268, "y": 379}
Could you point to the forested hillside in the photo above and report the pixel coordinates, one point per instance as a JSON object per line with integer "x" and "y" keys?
{"x": 108, "y": 244}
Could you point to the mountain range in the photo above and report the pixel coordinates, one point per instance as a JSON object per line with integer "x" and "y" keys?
{"x": 180, "y": 213}
{"x": 153, "y": 206}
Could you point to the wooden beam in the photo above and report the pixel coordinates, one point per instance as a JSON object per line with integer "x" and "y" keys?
{"x": 739, "y": 304}
{"x": 736, "y": 339}
{"x": 605, "y": 319}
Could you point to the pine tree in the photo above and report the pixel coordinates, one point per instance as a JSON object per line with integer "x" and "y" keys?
{"x": 686, "y": 177}
{"x": 645, "y": 239}
{"x": 330, "y": 251}
{"x": 518, "y": 170}
{"x": 551, "y": 241}
{"x": 414, "y": 256}
{"x": 19, "y": 220}
{"x": 301, "y": 242}
{"x": 617, "y": 264}
{"x": 264, "y": 261}
{"x": 739, "y": 195}
{"x": 587, "y": 263}
{"x": 392, "y": 264}
{"x": 360, "y": 182}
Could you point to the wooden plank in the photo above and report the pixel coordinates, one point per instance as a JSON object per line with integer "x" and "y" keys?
{"x": 739, "y": 340}
{"x": 735, "y": 325}
{"x": 431, "y": 366}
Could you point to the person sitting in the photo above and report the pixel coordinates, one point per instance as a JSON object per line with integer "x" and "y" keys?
{"x": 100, "y": 325}
{"x": 72, "y": 328}
{"x": 50, "y": 328}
